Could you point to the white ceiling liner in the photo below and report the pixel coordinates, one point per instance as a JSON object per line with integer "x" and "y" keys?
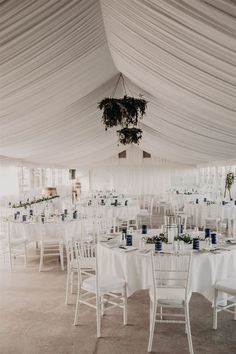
{"x": 60, "y": 58}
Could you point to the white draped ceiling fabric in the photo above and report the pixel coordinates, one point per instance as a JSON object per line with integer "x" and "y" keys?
{"x": 59, "y": 58}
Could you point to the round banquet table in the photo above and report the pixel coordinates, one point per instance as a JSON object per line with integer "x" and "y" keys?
{"x": 135, "y": 268}
{"x": 200, "y": 212}
{"x": 32, "y": 231}
{"x": 121, "y": 212}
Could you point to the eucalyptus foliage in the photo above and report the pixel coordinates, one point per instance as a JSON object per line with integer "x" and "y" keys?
{"x": 229, "y": 181}
{"x": 129, "y": 135}
{"x": 122, "y": 111}
{"x": 28, "y": 203}
{"x": 153, "y": 239}
{"x": 185, "y": 237}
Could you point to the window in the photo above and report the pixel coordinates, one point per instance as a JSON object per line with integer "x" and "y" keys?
{"x": 146, "y": 155}
{"x": 122, "y": 155}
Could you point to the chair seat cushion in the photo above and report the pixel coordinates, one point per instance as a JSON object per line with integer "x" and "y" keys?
{"x": 228, "y": 286}
{"x": 88, "y": 263}
{"x": 167, "y": 296}
{"x": 105, "y": 285}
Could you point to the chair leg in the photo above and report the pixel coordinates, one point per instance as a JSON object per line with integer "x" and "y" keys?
{"x": 152, "y": 326}
{"x": 41, "y": 257}
{"x": 150, "y": 313}
{"x": 61, "y": 251}
{"x": 215, "y": 309}
{"x": 125, "y": 305}
{"x": 71, "y": 282}
{"x": 67, "y": 284}
{"x": 102, "y": 306}
{"x": 10, "y": 260}
{"x": 98, "y": 313}
{"x": 25, "y": 255}
{"x": 76, "y": 318}
{"x": 190, "y": 344}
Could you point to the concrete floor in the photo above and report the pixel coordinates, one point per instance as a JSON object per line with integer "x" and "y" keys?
{"x": 35, "y": 320}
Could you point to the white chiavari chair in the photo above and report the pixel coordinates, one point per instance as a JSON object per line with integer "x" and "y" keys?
{"x": 12, "y": 242}
{"x": 51, "y": 244}
{"x": 97, "y": 292}
{"x": 221, "y": 303}
{"x": 170, "y": 290}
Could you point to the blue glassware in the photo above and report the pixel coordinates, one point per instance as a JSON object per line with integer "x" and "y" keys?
{"x": 124, "y": 230}
{"x": 196, "y": 244}
{"x": 207, "y": 233}
{"x": 144, "y": 229}
{"x": 129, "y": 240}
{"x": 213, "y": 238}
{"x": 180, "y": 229}
{"x": 158, "y": 245}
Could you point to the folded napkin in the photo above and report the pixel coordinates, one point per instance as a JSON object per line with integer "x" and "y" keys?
{"x": 111, "y": 245}
{"x": 128, "y": 248}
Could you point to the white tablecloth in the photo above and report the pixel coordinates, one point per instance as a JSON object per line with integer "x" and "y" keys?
{"x": 135, "y": 268}
{"x": 200, "y": 212}
{"x": 32, "y": 232}
{"x": 103, "y": 211}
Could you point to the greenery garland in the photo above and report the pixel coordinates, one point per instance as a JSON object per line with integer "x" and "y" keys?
{"x": 28, "y": 203}
{"x": 229, "y": 181}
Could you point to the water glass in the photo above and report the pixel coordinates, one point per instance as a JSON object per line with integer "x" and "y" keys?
{"x": 196, "y": 244}
{"x": 144, "y": 229}
{"x": 213, "y": 238}
{"x": 158, "y": 245}
{"x": 129, "y": 240}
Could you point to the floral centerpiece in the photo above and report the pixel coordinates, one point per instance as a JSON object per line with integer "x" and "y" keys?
{"x": 153, "y": 239}
{"x": 184, "y": 237}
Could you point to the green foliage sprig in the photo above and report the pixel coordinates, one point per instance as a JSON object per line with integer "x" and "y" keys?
{"x": 153, "y": 239}
{"x": 122, "y": 111}
{"x": 229, "y": 181}
{"x": 129, "y": 135}
{"x": 185, "y": 237}
{"x": 28, "y": 203}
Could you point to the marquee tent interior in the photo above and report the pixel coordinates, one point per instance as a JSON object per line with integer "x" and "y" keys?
{"x": 60, "y": 58}
{"x": 78, "y": 208}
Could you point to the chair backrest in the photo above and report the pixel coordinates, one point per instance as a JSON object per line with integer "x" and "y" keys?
{"x": 171, "y": 270}
{"x": 71, "y": 254}
{"x": 85, "y": 254}
{"x": 5, "y": 236}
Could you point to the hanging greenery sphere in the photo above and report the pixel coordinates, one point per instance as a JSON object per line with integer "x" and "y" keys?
{"x": 122, "y": 111}
{"x": 129, "y": 135}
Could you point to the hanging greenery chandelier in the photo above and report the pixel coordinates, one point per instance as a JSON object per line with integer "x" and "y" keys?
{"x": 124, "y": 112}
